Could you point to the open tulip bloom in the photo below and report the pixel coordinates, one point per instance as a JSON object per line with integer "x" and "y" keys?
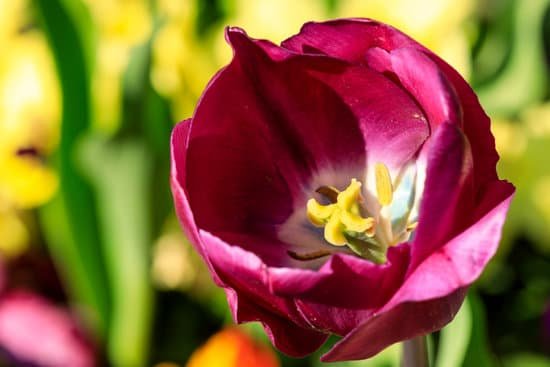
{"x": 341, "y": 183}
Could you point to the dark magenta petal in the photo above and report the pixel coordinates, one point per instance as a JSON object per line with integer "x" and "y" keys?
{"x": 448, "y": 197}
{"x": 246, "y": 279}
{"x": 347, "y": 39}
{"x": 476, "y": 127}
{"x": 372, "y": 285}
{"x": 393, "y": 126}
{"x": 335, "y": 99}
{"x": 461, "y": 260}
{"x": 344, "y": 292}
{"x": 405, "y": 321}
{"x": 421, "y": 77}
{"x": 178, "y": 147}
{"x": 272, "y": 119}
{"x": 260, "y": 130}
{"x": 286, "y": 336}
{"x": 362, "y": 41}
{"x": 381, "y": 47}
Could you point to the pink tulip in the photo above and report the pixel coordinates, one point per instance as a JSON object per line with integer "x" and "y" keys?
{"x": 33, "y": 331}
{"x": 341, "y": 183}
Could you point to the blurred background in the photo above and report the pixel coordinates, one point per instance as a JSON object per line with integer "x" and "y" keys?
{"x": 94, "y": 270}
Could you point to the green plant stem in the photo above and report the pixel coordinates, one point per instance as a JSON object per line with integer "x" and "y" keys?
{"x": 415, "y": 352}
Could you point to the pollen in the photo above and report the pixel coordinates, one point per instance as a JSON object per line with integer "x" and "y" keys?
{"x": 341, "y": 220}
{"x": 384, "y": 189}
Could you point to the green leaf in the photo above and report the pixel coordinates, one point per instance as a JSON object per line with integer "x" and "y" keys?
{"x": 463, "y": 343}
{"x": 523, "y": 81}
{"x": 121, "y": 171}
{"x": 69, "y": 221}
{"x": 526, "y": 360}
{"x": 454, "y": 338}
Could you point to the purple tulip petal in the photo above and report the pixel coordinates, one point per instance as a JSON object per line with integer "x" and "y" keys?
{"x": 179, "y": 143}
{"x": 373, "y": 284}
{"x": 326, "y": 304}
{"x": 476, "y": 127}
{"x": 405, "y": 321}
{"x": 279, "y": 122}
{"x": 447, "y": 191}
{"x": 459, "y": 262}
{"x": 246, "y": 277}
{"x": 393, "y": 135}
{"x": 262, "y": 167}
{"x": 363, "y": 41}
{"x": 421, "y": 77}
{"x": 298, "y": 343}
{"x": 347, "y": 39}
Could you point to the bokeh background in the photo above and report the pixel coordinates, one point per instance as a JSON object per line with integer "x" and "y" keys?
{"x": 94, "y": 270}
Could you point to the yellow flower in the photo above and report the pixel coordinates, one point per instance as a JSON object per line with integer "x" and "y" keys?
{"x": 182, "y": 63}
{"x": 29, "y": 123}
{"x": 14, "y": 236}
{"x": 121, "y": 26}
{"x": 12, "y": 13}
{"x": 435, "y": 23}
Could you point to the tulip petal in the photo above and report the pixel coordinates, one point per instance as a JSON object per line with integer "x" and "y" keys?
{"x": 297, "y": 115}
{"x": 433, "y": 293}
{"x": 364, "y": 41}
{"x": 245, "y": 276}
{"x": 347, "y": 39}
{"x": 405, "y": 321}
{"x": 461, "y": 260}
{"x": 178, "y": 148}
{"x": 393, "y": 126}
{"x": 288, "y": 125}
{"x": 447, "y": 199}
{"x": 359, "y": 40}
{"x": 476, "y": 126}
{"x": 298, "y": 343}
{"x": 421, "y": 77}
{"x": 327, "y": 304}
{"x": 373, "y": 284}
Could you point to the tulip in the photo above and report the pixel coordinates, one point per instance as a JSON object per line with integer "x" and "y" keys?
{"x": 33, "y": 331}
{"x": 341, "y": 183}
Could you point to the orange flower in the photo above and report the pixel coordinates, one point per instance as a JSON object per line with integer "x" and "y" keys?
{"x": 232, "y": 348}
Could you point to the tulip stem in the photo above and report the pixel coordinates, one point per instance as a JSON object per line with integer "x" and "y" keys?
{"x": 415, "y": 352}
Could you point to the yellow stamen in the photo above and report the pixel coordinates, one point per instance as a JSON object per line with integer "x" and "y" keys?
{"x": 356, "y": 223}
{"x": 384, "y": 189}
{"x": 349, "y": 197}
{"x": 334, "y": 230}
{"x": 319, "y": 214}
{"x": 412, "y": 226}
{"x": 343, "y": 218}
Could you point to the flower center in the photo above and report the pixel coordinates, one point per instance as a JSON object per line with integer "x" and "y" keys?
{"x": 369, "y": 224}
